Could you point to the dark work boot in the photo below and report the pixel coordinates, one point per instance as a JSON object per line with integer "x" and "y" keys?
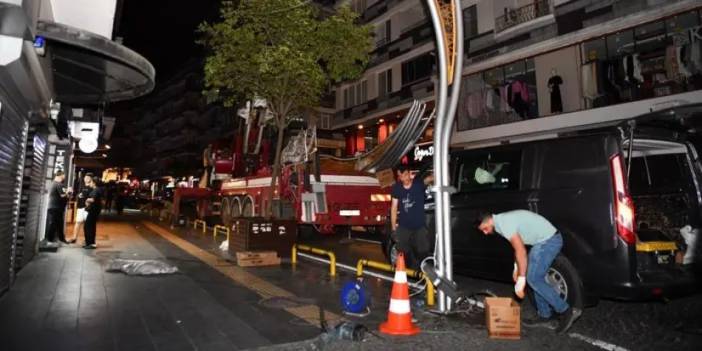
{"x": 540, "y": 322}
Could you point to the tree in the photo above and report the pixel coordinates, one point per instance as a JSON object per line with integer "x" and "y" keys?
{"x": 282, "y": 51}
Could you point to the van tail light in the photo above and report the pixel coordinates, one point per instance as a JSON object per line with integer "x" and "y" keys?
{"x": 623, "y": 204}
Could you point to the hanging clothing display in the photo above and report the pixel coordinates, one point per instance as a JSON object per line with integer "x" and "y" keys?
{"x": 492, "y": 99}
{"x": 589, "y": 81}
{"x": 504, "y": 100}
{"x": 518, "y": 92}
{"x": 554, "y": 86}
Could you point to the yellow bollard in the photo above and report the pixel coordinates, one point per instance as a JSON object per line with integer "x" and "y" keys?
{"x": 219, "y": 227}
{"x": 204, "y": 225}
{"x": 332, "y": 257}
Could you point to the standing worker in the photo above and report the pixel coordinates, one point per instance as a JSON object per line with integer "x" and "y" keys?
{"x": 81, "y": 214}
{"x": 522, "y": 227}
{"x": 407, "y": 216}
{"x": 93, "y": 205}
{"x": 58, "y": 198}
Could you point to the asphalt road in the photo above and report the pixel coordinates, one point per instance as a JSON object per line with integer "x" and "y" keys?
{"x": 649, "y": 325}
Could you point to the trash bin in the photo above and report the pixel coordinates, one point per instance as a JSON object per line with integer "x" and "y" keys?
{"x": 260, "y": 234}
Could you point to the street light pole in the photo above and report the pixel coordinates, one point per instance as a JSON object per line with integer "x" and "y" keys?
{"x": 448, "y": 28}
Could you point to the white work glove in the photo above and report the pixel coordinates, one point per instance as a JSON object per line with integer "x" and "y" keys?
{"x": 519, "y": 286}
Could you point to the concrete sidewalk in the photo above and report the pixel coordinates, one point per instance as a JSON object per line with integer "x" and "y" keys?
{"x": 66, "y": 301}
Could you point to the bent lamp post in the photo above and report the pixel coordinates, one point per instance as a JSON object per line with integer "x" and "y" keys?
{"x": 448, "y": 28}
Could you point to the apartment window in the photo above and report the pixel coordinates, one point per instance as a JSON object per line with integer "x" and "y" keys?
{"x": 358, "y": 5}
{"x": 325, "y": 121}
{"x": 361, "y": 92}
{"x": 384, "y": 83}
{"x": 352, "y": 95}
{"x": 470, "y": 21}
{"x": 356, "y": 94}
{"x": 383, "y": 34}
{"x": 418, "y": 68}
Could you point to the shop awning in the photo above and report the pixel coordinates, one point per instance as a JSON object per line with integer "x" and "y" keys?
{"x": 89, "y": 69}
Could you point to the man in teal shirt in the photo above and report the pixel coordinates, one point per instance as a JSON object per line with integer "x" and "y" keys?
{"x": 522, "y": 227}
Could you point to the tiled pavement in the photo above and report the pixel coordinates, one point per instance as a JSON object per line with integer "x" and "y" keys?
{"x": 66, "y": 301}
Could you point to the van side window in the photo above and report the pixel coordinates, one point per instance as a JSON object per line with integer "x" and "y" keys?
{"x": 497, "y": 170}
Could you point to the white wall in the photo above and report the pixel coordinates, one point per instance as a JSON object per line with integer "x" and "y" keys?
{"x": 486, "y": 16}
{"x": 96, "y": 16}
{"x": 567, "y": 64}
{"x": 397, "y": 76}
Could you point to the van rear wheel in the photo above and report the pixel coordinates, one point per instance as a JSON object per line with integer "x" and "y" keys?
{"x": 563, "y": 277}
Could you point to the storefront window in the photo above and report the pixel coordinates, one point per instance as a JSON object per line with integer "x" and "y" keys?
{"x": 595, "y": 50}
{"x": 501, "y": 95}
{"x": 620, "y": 44}
{"x": 659, "y": 59}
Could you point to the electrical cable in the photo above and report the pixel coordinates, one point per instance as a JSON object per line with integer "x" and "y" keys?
{"x": 360, "y": 315}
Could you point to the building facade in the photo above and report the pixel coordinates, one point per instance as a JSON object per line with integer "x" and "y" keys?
{"x": 531, "y": 67}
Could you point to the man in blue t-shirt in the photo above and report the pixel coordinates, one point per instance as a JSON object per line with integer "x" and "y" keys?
{"x": 521, "y": 228}
{"x": 407, "y": 216}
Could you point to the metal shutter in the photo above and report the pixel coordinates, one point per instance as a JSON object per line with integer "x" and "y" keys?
{"x": 32, "y": 199}
{"x": 13, "y": 136}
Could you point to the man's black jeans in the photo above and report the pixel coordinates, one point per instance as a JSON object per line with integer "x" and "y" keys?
{"x": 414, "y": 243}
{"x": 90, "y": 227}
{"x": 55, "y": 226}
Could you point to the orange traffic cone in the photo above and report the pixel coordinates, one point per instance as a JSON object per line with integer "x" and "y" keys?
{"x": 399, "y": 315}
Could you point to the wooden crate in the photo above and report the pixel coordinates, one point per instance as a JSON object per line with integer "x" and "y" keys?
{"x": 258, "y": 234}
{"x": 254, "y": 259}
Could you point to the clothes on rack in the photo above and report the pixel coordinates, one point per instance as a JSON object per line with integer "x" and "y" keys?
{"x": 589, "y": 81}
{"x": 504, "y": 100}
{"x": 518, "y": 93}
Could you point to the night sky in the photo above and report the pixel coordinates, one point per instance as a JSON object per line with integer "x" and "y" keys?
{"x": 164, "y": 31}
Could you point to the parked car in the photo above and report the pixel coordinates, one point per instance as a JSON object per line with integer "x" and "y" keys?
{"x": 620, "y": 208}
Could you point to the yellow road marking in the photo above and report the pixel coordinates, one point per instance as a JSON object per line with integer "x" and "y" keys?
{"x": 308, "y": 313}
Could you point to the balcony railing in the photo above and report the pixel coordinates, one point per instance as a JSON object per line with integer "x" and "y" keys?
{"x": 514, "y": 17}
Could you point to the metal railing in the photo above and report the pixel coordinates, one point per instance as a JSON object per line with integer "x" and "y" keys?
{"x": 514, "y": 17}
{"x": 220, "y": 228}
{"x": 314, "y": 250}
{"x": 199, "y": 222}
{"x": 389, "y": 268}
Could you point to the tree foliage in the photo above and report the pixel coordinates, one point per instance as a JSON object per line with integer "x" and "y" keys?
{"x": 282, "y": 51}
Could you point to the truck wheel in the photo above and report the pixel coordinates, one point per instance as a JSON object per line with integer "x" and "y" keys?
{"x": 225, "y": 213}
{"x": 235, "y": 206}
{"x": 247, "y": 208}
{"x": 563, "y": 277}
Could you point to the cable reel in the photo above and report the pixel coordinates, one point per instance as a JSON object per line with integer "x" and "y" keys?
{"x": 355, "y": 297}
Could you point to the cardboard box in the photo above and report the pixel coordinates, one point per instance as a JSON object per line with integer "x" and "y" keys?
{"x": 503, "y": 318}
{"x": 385, "y": 177}
{"x": 254, "y": 259}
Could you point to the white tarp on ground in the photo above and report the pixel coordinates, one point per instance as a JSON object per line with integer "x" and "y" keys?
{"x": 141, "y": 267}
